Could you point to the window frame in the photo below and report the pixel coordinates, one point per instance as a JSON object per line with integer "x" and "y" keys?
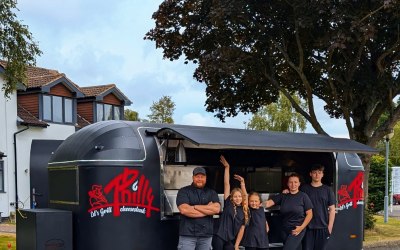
{"x": 63, "y": 109}
{"x": 112, "y": 109}
{"x": 2, "y": 176}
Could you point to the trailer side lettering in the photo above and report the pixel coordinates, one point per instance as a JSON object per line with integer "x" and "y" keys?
{"x": 130, "y": 192}
{"x": 353, "y": 194}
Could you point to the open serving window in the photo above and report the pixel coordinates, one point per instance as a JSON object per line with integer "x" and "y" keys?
{"x": 263, "y": 158}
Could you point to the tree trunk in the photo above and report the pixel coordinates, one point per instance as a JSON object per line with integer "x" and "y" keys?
{"x": 366, "y": 161}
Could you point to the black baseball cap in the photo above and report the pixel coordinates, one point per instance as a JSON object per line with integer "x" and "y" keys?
{"x": 199, "y": 170}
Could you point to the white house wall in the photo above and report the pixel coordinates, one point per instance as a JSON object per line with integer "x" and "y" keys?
{"x": 24, "y": 142}
{"x": 8, "y": 125}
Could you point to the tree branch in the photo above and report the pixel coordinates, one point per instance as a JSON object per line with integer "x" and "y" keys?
{"x": 374, "y": 118}
{"x": 299, "y": 47}
{"x": 370, "y": 14}
{"x": 380, "y": 59}
{"x": 385, "y": 128}
{"x": 312, "y": 118}
{"x": 346, "y": 113}
{"x": 309, "y": 117}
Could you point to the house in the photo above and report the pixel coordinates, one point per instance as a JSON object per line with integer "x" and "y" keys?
{"x": 44, "y": 111}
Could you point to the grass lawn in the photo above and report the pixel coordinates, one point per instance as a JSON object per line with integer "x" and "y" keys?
{"x": 5, "y": 240}
{"x": 383, "y": 231}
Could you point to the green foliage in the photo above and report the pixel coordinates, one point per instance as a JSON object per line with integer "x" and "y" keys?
{"x": 17, "y": 47}
{"x": 279, "y": 116}
{"x": 376, "y": 187}
{"x": 394, "y": 146}
{"x": 131, "y": 115}
{"x": 162, "y": 111}
{"x": 369, "y": 220}
{"x": 247, "y": 52}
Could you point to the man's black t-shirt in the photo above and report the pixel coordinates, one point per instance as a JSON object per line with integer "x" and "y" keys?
{"x": 232, "y": 218}
{"x": 293, "y": 209}
{"x": 321, "y": 197}
{"x": 199, "y": 227}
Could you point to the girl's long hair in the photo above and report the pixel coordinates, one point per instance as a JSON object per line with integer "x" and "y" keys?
{"x": 244, "y": 205}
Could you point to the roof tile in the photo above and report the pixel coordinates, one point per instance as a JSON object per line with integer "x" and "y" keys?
{"x": 26, "y": 118}
{"x": 92, "y": 91}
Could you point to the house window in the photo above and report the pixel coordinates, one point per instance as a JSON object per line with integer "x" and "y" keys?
{"x": 47, "y": 108}
{"x": 68, "y": 110}
{"x": 1, "y": 176}
{"x": 117, "y": 113}
{"x": 58, "y": 109}
{"x": 107, "y": 112}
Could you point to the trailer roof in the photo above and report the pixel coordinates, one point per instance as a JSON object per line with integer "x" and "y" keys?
{"x": 122, "y": 142}
{"x": 224, "y": 138}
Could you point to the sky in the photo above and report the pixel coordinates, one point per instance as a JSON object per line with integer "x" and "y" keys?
{"x": 101, "y": 42}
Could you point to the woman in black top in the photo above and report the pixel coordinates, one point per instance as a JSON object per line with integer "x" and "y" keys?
{"x": 255, "y": 233}
{"x": 296, "y": 210}
{"x": 234, "y": 215}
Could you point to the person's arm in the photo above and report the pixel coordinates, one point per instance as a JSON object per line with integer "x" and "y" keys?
{"x": 210, "y": 209}
{"x": 227, "y": 186}
{"x": 239, "y": 237}
{"x": 190, "y": 211}
{"x": 266, "y": 226}
{"x": 269, "y": 203}
{"x": 332, "y": 214}
{"x": 243, "y": 188}
{"x": 309, "y": 215}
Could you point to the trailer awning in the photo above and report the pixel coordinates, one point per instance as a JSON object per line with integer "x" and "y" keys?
{"x": 224, "y": 138}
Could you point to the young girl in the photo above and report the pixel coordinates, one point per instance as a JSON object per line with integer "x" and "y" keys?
{"x": 235, "y": 213}
{"x": 255, "y": 234}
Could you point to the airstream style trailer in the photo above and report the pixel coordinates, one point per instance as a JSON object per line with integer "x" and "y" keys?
{"x": 120, "y": 179}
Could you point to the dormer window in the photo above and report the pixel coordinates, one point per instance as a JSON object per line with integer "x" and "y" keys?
{"x": 106, "y": 112}
{"x": 58, "y": 109}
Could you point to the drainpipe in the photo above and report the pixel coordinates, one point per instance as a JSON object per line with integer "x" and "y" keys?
{"x": 15, "y": 166}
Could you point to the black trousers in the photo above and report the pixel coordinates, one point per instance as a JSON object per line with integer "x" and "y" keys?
{"x": 316, "y": 239}
{"x": 255, "y": 248}
{"x": 220, "y": 244}
{"x": 292, "y": 242}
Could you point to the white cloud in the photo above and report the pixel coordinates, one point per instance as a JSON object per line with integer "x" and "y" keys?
{"x": 197, "y": 119}
{"x": 95, "y": 42}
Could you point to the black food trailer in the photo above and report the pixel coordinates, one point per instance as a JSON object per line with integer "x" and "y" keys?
{"x": 120, "y": 179}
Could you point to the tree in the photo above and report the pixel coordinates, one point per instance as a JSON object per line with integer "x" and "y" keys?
{"x": 17, "y": 47}
{"x": 279, "y": 116}
{"x": 162, "y": 111}
{"x": 131, "y": 115}
{"x": 394, "y": 145}
{"x": 346, "y": 53}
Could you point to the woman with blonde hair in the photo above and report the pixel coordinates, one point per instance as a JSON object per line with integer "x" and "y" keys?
{"x": 235, "y": 214}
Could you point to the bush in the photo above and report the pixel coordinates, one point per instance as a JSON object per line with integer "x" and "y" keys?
{"x": 376, "y": 183}
{"x": 369, "y": 220}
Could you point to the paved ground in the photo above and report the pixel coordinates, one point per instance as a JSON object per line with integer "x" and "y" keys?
{"x": 7, "y": 228}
